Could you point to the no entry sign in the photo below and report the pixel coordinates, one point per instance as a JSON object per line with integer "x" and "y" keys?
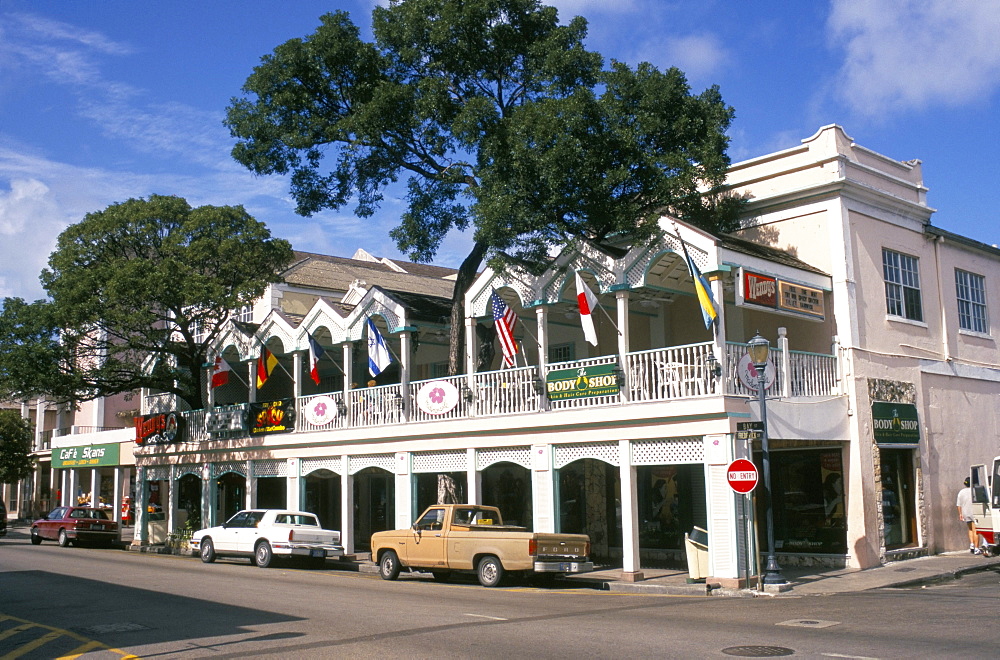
{"x": 742, "y": 475}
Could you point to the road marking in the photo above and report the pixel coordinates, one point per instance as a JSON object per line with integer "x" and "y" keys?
{"x": 34, "y": 644}
{"x": 851, "y": 657}
{"x": 483, "y": 616}
{"x": 54, "y": 633}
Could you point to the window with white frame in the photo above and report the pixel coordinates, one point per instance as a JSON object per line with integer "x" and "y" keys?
{"x": 561, "y": 353}
{"x": 902, "y": 285}
{"x": 971, "y": 291}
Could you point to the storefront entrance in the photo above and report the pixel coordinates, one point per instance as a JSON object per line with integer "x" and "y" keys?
{"x": 507, "y": 486}
{"x": 322, "y": 497}
{"x": 374, "y": 504}
{"x": 899, "y": 508}
{"x": 589, "y": 503}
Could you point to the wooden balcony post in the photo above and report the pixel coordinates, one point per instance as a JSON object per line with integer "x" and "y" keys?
{"x": 786, "y": 363}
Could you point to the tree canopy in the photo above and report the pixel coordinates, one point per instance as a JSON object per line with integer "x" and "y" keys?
{"x": 15, "y": 447}
{"x": 137, "y": 294}
{"x": 501, "y": 121}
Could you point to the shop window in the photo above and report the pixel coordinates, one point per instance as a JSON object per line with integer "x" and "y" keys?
{"x": 808, "y": 501}
{"x": 902, "y": 285}
{"x": 671, "y": 502}
{"x": 898, "y": 501}
{"x": 562, "y": 353}
{"x": 971, "y": 291}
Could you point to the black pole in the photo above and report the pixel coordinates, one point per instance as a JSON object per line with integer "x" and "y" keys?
{"x": 772, "y": 572}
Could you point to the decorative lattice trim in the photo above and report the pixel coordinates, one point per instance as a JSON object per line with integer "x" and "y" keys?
{"x": 439, "y": 461}
{"x": 219, "y": 469}
{"x": 668, "y": 451}
{"x": 602, "y": 451}
{"x": 270, "y": 467}
{"x": 517, "y": 455}
{"x": 183, "y": 470}
{"x": 309, "y": 465}
{"x": 385, "y": 462}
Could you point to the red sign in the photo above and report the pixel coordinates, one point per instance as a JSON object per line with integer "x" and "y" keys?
{"x": 760, "y": 289}
{"x": 742, "y": 475}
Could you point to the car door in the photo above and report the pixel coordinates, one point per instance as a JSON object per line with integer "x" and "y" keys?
{"x": 427, "y": 545}
{"x": 49, "y": 527}
{"x": 247, "y": 535}
{"x": 980, "y": 499}
{"x": 226, "y": 537}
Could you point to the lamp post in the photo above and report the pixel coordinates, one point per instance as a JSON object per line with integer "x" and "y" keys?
{"x": 758, "y": 348}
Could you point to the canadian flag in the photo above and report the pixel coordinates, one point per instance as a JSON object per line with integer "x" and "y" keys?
{"x": 588, "y": 302}
{"x": 220, "y": 374}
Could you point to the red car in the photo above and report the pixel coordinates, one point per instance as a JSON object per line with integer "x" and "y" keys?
{"x": 72, "y": 524}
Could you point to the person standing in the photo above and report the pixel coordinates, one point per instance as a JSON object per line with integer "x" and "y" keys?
{"x": 964, "y": 504}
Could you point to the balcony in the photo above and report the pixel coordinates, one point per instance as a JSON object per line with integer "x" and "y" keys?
{"x": 659, "y": 375}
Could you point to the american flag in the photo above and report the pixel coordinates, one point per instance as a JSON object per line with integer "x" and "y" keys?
{"x": 504, "y": 319}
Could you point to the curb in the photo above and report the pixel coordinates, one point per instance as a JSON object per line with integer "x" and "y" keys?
{"x": 947, "y": 576}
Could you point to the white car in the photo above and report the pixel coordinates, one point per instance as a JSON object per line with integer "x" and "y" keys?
{"x": 263, "y": 534}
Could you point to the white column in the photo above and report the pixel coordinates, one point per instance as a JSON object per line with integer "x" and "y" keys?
{"x": 630, "y": 513}
{"x": 348, "y": 370}
{"x": 293, "y": 483}
{"x": 141, "y": 535}
{"x": 542, "y": 489}
{"x": 719, "y": 347}
{"x": 74, "y": 485}
{"x": 250, "y": 498}
{"x": 95, "y": 487}
{"x": 406, "y": 360}
{"x": 786, "y": 363}
{"x": 39, "y": 422}
{"x": 346, "y": 505}
{"x": 404, "y": 491}
{"x": 207, "y": 496}
{"x": 542, "y": 328}
{"x": 173, "y": 486}
{"x": 116, "y": 498}
{"x": 471, "y": 347}
{"x": 297, "y": 374}
{"x": 252, "y": 381}
{"x": 64, "y": 485}
{"x": 621, "y": 305}
{"x": 474, "y": 478}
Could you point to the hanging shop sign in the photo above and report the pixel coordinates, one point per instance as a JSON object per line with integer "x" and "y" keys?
{"x": 596, "y": 380}
{"x": 801, "y": 299}
{"x": 895, "y": 423}
{"x": 437, "y": 397}
{"x": 91, "y": 456}
{"x": 159, "y": 429}
{"x": 747, "y": 372}
{"x": 226, "y": 420}
{"x": 774, "y": 293}
{"x": 272, "y": 417}
{"x": 321, "y": 410}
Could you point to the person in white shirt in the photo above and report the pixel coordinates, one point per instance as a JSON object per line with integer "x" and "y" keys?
{"x": 964, "y": 504}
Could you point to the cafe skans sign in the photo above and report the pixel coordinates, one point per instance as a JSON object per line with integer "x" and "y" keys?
{"x": 89, "y": 456}
{"x": 596, "y": 380}
{"x": 895, "y": 423}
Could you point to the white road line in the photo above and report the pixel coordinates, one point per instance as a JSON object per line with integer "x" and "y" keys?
{"x": 850, "y": 657}
{"x": 483, "y": 616}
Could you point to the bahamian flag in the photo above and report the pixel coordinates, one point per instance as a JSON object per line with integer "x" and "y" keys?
{"x": 701, "y": 288}
{"x": 378, "y": 352}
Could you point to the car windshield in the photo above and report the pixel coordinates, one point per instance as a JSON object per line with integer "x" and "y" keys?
{"x": 97, "y": 514}
{"x": 296, "y": 519}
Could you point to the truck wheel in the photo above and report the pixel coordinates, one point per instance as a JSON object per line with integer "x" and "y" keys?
{"x": 490, "y": 571}
{"x": 262, "y": 554}
{"x": 388, "y": 566}
{"x": 63, "y": 538}
{"x": 35, "y": 538}
{"x": 207, "y": 550}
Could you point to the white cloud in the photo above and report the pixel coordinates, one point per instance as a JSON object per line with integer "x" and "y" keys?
{"x": 913, "y": 54}
{"x": 29, "y": 222}
{"x": 699, "y": 56}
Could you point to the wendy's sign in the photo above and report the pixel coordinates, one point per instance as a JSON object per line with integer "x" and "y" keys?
{"x": 159, "y": 429}
{"x": 272, "y": 417}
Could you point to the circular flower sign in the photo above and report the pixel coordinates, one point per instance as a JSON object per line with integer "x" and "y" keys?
{"x": 321, "y": 410}
{"x": 437, "y": 397}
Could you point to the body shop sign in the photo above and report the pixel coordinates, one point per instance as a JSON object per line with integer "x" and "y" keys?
{"x": 895, "y": 423}
{"x": 272, "y": 417}
{"x": 596, "y": 380}
{"x": 92, "y": 456}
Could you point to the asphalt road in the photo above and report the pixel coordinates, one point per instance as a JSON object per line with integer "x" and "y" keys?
{"x": 110, "y": 603}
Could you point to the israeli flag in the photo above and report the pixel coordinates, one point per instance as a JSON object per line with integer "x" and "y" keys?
{"x": 378, "y": 352}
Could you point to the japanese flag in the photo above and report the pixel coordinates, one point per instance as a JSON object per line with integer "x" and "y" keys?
{"x": 588, "y": 302}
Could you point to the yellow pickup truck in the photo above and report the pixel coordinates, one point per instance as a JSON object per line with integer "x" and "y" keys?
{"x": 467, "y": 538}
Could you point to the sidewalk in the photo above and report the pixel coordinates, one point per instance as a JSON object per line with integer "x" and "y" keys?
{"x": 803, "y": 581}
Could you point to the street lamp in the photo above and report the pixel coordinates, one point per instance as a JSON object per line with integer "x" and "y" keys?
{"x": 758, "y": 348}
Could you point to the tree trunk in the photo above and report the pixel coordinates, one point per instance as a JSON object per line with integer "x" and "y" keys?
{"x": 466, "y": 276}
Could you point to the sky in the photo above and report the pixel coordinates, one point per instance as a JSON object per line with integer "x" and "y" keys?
{"x": 103, "y": 101}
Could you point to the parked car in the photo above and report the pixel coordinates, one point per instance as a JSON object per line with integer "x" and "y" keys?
{"x": 464, "y": 538}
{"x": 75, "y": 524}
{"x": 3, "y": 519}
{"x": 263, "y": 534}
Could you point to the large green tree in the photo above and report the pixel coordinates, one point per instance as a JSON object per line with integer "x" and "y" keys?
{"x": 500, "y": 120}
{"x": 137, "y": 294}
{"x": 15, "y": 447}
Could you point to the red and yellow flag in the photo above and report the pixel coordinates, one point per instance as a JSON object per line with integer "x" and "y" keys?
{"x": 265, "y": 365}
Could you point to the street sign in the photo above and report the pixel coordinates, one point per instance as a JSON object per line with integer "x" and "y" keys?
{"x": 749, "y": 430}
{"x": 742, "y": 475}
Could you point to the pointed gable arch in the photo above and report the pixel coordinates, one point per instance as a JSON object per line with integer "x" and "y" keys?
{"x": 377, "y": 302}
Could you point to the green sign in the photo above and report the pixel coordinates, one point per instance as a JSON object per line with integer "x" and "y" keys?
{"x": 895, "y": 423}
{"x": 85, "y": 456}
{"x": 596, "y": 380}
